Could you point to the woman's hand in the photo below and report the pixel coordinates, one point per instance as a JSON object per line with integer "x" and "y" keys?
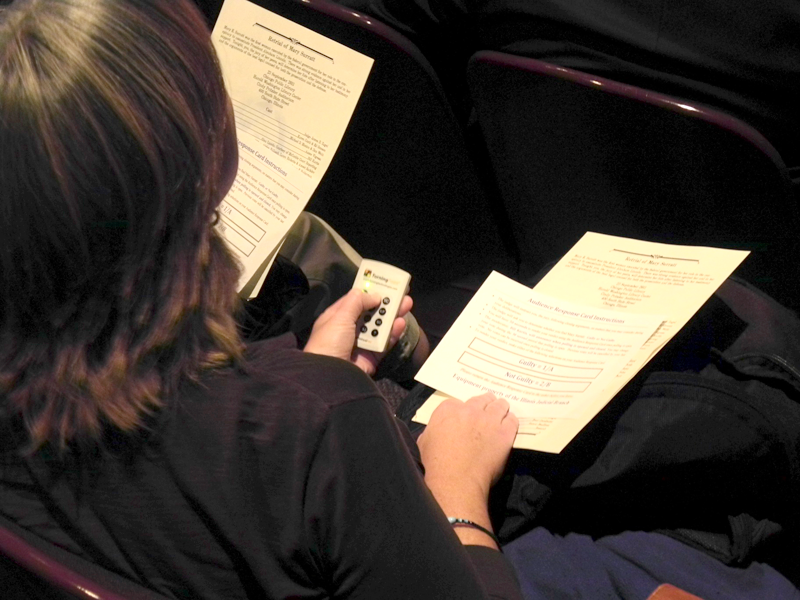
{"x": 464, "y": 449}
{"x": 334, "y": 332}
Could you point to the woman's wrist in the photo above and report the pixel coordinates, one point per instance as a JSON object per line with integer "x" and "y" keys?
{"x": 473, "y": 534}
{"x": 460, "y": 500}
{"x": 455, "y": 491}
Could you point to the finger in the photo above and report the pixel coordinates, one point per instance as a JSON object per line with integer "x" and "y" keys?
{"x": 398, "y": 327}
{"x": 510, "y": 426}
{"x": 365, "y": 361}
{"x": 405, "y": 306}
{"x": 511, "y": 421}
{"x": 481, "y": 401}
{"x": 447, "y": 405}
{"x": 343, "y": 301}
{"x": 355, "y": 302}
{"x": 326, "y": 314}
{"x": 498, "y": 405}
{"x": 368, "y": 299}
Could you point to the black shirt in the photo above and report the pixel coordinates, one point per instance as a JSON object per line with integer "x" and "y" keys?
{"x": 287, "y": 478}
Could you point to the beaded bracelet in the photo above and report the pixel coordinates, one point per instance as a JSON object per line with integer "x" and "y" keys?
{"x": 468, "y": 523}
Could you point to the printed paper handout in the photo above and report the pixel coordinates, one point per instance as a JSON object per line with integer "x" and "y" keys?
{"x": 547, "y": 356}
{"x": 293, "y": 92}
{"x": 560, "y": 352}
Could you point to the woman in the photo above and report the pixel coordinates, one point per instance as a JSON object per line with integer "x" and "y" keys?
{"x": 138, "y": 430}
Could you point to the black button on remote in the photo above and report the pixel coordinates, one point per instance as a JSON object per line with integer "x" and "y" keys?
{"x": 382, "y": 311}
{"x": 363, "y": 329}
{"x": 386, "y": 300}
{"x": 378, "y": 322}
{"x": 374, "y": 333}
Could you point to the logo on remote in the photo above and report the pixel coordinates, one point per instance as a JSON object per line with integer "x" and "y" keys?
{"x": 370, "y": 275}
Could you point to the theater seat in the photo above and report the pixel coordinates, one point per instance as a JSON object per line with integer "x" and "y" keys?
{"x": 31, "y": 567}
{"x": 573, "y": 152}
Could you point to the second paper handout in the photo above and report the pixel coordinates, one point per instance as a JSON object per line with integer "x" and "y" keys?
{"x": 560, "y": 352}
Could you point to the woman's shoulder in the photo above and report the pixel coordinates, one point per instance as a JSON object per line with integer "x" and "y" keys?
{"x": 276, "y": 388}
{"x": 278, "y": 397}
{"x": 277, "y": 362}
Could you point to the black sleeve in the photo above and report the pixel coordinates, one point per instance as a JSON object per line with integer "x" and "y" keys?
{"x": 377, "y": 530}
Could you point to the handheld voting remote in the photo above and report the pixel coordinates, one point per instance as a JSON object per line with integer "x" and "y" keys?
{"x": 375, "y": 326}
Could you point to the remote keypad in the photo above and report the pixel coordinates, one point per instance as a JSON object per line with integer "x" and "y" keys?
{"x": 392, "y": 284}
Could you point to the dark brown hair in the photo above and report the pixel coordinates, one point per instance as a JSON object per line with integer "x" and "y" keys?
{"x": 114, "y": 288}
